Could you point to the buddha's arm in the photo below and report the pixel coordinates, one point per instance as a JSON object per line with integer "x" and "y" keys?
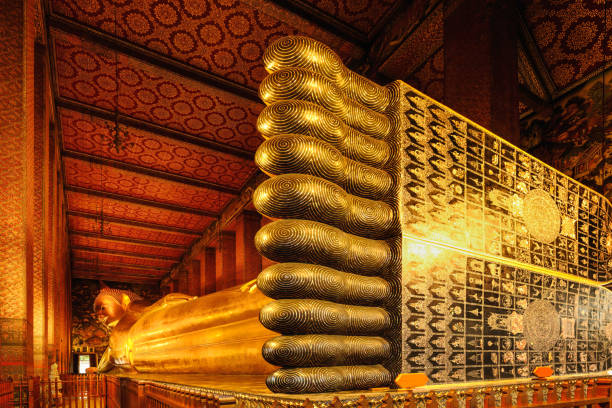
{"x": 105, "y": 363}
{"x": 171, "y": 299}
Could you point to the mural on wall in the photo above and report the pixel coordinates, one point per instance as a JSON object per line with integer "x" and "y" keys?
{"x": 576, "y": 136}
{"x": 88, "y": 335}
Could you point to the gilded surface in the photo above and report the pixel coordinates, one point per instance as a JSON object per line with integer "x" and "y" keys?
{"x": 219, "y": 333}
{"x": 317, "y": 243}
{"x": 287, "y": 153}
{"x": 541, "y": 215}
{"x": 313, "y": 198}
{"x": 327, "y": 150}
{"x": 468, "y": 189}
{"x": 541, "y": 325}
{"x": 300, "y": 280}
{"x": 467, "y": 230}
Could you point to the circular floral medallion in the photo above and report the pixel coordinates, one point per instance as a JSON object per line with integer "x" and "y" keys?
{"x": 541, "y": 215}
{"x": 541, "y": 325}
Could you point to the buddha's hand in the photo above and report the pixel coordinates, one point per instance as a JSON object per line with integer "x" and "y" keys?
{"x": 172, "y": 298}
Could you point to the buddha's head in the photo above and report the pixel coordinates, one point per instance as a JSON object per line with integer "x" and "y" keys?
{"x": 111, "y": 304}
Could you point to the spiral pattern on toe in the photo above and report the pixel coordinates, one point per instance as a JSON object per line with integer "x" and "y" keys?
{"x": 313, "y": 198}
{"x": 305, "y": 118}
{"x": 299, "y": 280}
{"x": 314, "y": 350}
{"x": 289, "y": 153}
{"x": 314, "y": 242}
{"x": 305, "y": 316}
{"x": 304, "y": 85}
{"x": 331, "y": 141}
{"x": 303, "y": 52}
{"x": 328, "y": 379}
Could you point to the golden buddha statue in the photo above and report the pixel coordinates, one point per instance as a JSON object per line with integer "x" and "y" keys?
{"x": 185, "y": 334}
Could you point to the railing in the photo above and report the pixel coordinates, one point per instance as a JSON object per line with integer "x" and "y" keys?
{"x": 93, "y": 391}
{"x": 7, "y": 391}
{"x": 172, "y": 396}
{"x": 549, "y": 394}
{"x": 69, "y": 391}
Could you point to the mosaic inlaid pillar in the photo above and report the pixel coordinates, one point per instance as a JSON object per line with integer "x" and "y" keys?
{"x": 17, "y": 35}
{"x": 41, "y": 134}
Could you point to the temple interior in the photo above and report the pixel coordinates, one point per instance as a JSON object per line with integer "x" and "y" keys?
{"x": 266, "y": 203}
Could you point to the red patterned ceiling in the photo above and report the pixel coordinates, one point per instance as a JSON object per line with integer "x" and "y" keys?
{"x": 113, "y": 229}
{"x": 108, "y": 179}
{"x": 113, "y": 245}
{"x": 572, "y": 36}
{"x": 136, "y": 212}
{"x": 87, "y": 134}
{"x": 361, "y": 14}
{"x": 226, "y": 38}
{"x": 86, "y": 72}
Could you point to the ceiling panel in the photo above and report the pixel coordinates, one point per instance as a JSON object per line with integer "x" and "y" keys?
{"x": 113, "y": 245}
{"x": 113, "y": 229}
{"x": 135, "y": 212}
{"x": 361, "y": 14}
{"x": 86, "y": 134}
{"x": 226, "y": 38}
{"x": 108, "y": 179}
{"x": 423, "y": 43}
{"x": 87, "y": 72}
{"x": 572, "y": 36}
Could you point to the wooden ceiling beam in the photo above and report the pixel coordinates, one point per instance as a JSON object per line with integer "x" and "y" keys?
{"x": 125, "y": 239}
{"x": 134, "y": 168}
{"x": 122, "y": 253}
{"x": 154, "y": 58}
{"x": 532, "y": 51}
{"x": 114, "y": 277}
{"x": 132, "y": 223}
{"x": 141, "y": 201}
{"x": 68, "y": 103}
{"x": 330, "y": 23}
{"x": 94, "y": 263}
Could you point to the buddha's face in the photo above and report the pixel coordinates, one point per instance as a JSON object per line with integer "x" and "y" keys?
{"x": 108, "y": 310}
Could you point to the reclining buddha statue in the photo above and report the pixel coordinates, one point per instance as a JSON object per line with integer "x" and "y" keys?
{"x": 407, "y": 239}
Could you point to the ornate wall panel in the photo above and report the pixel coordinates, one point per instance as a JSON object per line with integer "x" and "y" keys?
{"x": 470, "y": 319}
{"x": 469, "y": 189}
{"x": 501, "y": 255}
{"x": 135, "y": 212}
{"x": 108, "y": 179}
{"x": 86, "y": 134}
